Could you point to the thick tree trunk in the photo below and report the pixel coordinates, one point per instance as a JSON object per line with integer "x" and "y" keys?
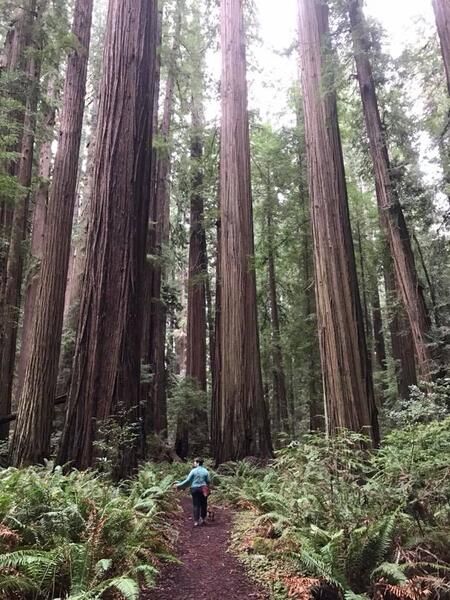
{"x": 14, "y": 268}
{"x": 106, "y": 374}
{"x": 278, "y": 375}
{"x": 34, "y": 418}
{"x": 442, "y": 14}
{"x": 23, "y": 67}
{"x": 37, "y": 236}
{"x": 391, "y": 214}
{"x": 196, "y": 303}
{"x": 348, "y": 388}
{"x": 158, "y": 238}
{"x": 401, "y": 338}
{"x": 243, "y": 426}
{"x": 78, "y": 259}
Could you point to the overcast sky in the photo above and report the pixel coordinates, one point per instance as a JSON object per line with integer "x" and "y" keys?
{"x": 278, "y": 23}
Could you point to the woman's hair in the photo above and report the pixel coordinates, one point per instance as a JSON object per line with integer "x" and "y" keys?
{"x": 199, "y": 461}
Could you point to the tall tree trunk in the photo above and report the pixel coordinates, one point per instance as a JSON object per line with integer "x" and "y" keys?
{"x": 15, "y": 62}
{"x": 278, "y": 375}
{"x": 14, "y": 268}
{"x": 196, "y": 303}
{"x": 37, "y": 234}
{"x": 148, "y": 323}
{"x": 243, "y": 427}
{"x": 159, "y": 236}
{"x": 21, "y": 57}
{"x": 31, "y": 442}
{"x": 401, "y": 338}
{"x": 348, "y": 388}
{"x": 391, "y": 214}
{"x": 442, "y": 15}
{"x": 106, "y": 374}
{"x": 77, "y": 262}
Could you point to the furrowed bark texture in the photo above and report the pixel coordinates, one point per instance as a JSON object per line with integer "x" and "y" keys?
{"x": 34, "y": 417}
{"x": 401, "y": 338}
{"x": 158, "y": 238}
{"x": 19, "y": 231}
{"x": 391, "y": 214}
{"x": 23, "y": 66}
{"x": 37, "y": 236}
{"x": 243, "y": 427}
{"x": 348, "y": 389}
{"x": 378, "y": 333}
{"x": 196, "y": 302}
{"x": 442, "y": 15}
{"x": 106, "y": 373}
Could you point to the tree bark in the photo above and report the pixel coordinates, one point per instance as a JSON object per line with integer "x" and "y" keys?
{"x": 31, "y": 442}
{"x": 442, "y": 15}
{"x": 37, "y": 234}
{"x": 243, "y": 421}
{"x": 196, "y": 303}
{"x": 158, "y": 238}
{"x": 14, "y": 268}
{"x": 25, "y": 66}
{"x": 401, "y": 338}
{"x": 348, "y": 388}
{"x": 106, "y": 374}
{"x": 391, "y": 214}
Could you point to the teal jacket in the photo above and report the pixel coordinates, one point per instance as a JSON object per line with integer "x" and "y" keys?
{"x": 196, "y": 478}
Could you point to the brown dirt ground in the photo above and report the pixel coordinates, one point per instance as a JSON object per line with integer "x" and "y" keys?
{"x": 208, "y": 571}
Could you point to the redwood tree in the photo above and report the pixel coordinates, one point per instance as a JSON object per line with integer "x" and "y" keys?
{"x": 242, "y": 426}
{"x": 391, "y": 214}
{"x": 348, "y": 389}
{"x": 34, "y": 417}
{"x": 19, "y": 225}
{"x": 106, "y": 373}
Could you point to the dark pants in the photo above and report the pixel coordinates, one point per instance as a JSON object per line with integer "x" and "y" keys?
{"x": 200, "y": 504}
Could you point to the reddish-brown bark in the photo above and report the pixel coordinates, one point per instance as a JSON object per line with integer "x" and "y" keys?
{"x": 37, "y": 235}
{"x": 24, "y": 68}
{"x": 348, "y": 389}
{"x": 401, "y": 338}
{"x": 34, "y": 418}
{"x": 14, "y": 267}
{"x": 391, "y": 214}
{"x": 196, "y": 302}
{"x": 243, "y": 424}
{"x": 106, "y": 373}
{"x": 158, "y": 237}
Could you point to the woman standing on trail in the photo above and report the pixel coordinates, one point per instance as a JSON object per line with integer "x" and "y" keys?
{"x": 199, "y": 480}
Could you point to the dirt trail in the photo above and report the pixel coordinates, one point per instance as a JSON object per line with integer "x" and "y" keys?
{"x": 208, "y": 571}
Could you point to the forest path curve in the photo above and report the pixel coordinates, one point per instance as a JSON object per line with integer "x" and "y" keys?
{"x": 208, "y": 571}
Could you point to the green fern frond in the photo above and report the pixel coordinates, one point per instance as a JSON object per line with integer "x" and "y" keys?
{"x": 394, "y": 573}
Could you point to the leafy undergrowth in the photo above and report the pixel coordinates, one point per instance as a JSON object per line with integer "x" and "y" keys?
{"x": 79, "y": 537}
{"x": 328, "y": 520}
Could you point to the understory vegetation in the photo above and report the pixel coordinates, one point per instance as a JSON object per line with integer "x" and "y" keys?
{"x": 327, "y": 519}
{"x": 78, "y": 537}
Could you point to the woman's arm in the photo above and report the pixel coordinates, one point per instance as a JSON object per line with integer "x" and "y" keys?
{"x": 184, "y": 484}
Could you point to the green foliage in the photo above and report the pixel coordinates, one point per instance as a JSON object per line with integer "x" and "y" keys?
{"x": 78, "y": 536}
{"x": 329, "y": 509}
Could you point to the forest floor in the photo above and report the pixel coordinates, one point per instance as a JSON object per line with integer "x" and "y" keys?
{"x": 208, "y": 570}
